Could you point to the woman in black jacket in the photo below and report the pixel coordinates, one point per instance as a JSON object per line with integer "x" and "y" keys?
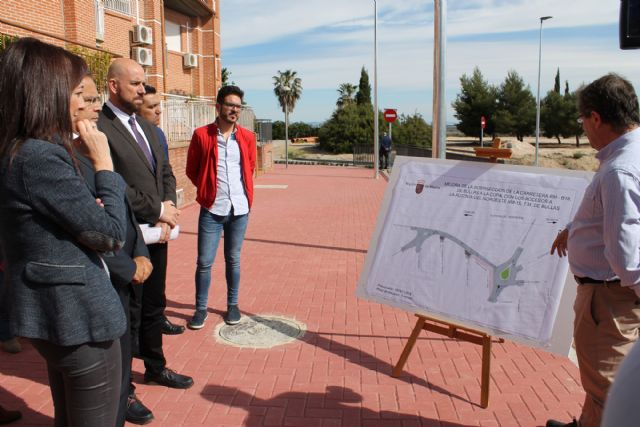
{"x": 53, "y": 231}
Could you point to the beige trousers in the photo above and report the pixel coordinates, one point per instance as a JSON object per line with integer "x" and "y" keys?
{"x": 605, "y": 328}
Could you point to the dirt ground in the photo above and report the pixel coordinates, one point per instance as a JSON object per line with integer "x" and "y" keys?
{"x": 550, "y": 154}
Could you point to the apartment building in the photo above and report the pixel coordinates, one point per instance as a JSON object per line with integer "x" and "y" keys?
{"x": 176, "y": 41}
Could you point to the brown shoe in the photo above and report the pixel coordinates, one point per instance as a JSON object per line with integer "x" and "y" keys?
{"x": 12, "y": 345}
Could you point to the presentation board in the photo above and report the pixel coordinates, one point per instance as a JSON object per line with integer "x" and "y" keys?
{"x": 469, "y": 242}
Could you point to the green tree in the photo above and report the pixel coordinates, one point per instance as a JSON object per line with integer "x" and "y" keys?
{"x": 558, "y": 116}
{"x": 226, "y": 77}
{"x": 516, "y": 110}
{"x": 573, "y": 128}
{"x": 363, "y": 97}
{"x": 353, "y": 124}
{"x": 411, "y": 130}
{"x": 347, "y": 94}
{"x": 477, "y": 98}
{"x": 301, "y": 129}
{"x": 296, "y": 130}
{"x": 551, "y": 115}
{"x": 556, "y": 83}
{"x": 277, "y": 129}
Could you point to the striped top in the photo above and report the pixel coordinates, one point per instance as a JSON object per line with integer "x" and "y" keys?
{"x": 604, "y": 237}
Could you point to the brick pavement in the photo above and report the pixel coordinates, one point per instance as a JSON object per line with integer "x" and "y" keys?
{"x": 302, "y": 257}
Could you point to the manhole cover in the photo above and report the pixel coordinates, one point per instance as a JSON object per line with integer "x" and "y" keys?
{"x": 261, "y": 331}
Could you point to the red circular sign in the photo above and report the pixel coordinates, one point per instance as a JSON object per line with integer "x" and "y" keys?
{"x": 390, "y": 115}
{"x": 482, "y": 122}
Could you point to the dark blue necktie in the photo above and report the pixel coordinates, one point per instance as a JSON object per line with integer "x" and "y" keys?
{"x": 141, "y": 143}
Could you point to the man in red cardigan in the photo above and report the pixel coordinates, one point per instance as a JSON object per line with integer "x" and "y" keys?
{"x": 220, "y": 163}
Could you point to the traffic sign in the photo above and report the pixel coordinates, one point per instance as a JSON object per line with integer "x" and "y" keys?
{"x": 482, "y": 122}
{"x": 390, "y": 115}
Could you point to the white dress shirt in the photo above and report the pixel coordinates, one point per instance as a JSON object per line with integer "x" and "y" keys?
{"x": 230, "y": 187}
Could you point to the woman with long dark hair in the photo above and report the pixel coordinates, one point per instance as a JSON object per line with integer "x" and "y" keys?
{"x": 54, "y": 232}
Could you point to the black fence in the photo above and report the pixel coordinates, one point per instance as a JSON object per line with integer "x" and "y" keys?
{"x": 363, "y": 154}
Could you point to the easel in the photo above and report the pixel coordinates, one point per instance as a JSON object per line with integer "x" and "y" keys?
{"x": 452, "y": 331}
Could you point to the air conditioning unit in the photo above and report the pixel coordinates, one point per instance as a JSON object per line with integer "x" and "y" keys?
{"x": 142, "y": 55}
{"x": 190, "y": 60}
{"x": 142, "y": 34}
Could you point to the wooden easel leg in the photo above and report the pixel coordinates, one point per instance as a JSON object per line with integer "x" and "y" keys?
{"x": 397, "y": 370}
{"x": 486, "y": 371}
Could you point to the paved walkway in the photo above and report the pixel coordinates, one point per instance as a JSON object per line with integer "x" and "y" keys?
{"x": 305, "y": 246}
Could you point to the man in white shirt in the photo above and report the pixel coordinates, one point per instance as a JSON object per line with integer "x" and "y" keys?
{"x": 220, "y": 163}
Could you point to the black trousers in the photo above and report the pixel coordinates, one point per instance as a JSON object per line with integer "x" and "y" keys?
{"x": 85, "y": 382}
{"x": 126, "y": 387}
{"x": 154, "y": 301}
{"x": 135, "y": 318}
{"x": 384, "y": 158}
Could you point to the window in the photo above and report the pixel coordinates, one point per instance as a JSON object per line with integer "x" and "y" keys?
{"x": 172, "y": 35}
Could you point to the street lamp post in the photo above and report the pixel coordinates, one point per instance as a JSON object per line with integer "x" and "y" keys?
{"x": 286, "y": 89}
{"x": 376, "y": 131}
{"x": 439, "y": 121}
{"x": 542, "y": 19}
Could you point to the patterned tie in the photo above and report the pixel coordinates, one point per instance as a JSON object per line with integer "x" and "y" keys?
{"x": 141, "y": 143}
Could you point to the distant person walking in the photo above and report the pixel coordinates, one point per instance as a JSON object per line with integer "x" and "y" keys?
{"x": 385, "y": 149}
{"x": 220, "y": 163}
{"x": 603, "y": 242}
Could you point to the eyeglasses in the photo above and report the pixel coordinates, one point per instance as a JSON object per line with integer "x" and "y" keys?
{"x": 232, "y": 106}
{"x": 581, "y": 118}
{"x": 92, "y": 99}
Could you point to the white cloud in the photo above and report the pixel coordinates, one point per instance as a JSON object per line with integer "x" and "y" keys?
{"x": 405, "y": 34}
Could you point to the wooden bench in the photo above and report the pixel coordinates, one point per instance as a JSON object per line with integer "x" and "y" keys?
{"x": 494, "y": 152}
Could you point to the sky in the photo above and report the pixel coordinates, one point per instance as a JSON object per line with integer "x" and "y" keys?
{"x": 327, "y": 43}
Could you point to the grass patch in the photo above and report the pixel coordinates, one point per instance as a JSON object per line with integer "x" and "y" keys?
{"x": 579, "y": 154}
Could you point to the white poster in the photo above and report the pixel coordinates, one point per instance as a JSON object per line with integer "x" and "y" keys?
{"x": 469, "y": 242}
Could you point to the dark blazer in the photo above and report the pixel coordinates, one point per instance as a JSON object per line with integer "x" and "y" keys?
{"x": 120, "y": 263}
{"x": 51, "y": 231}
{"x": 149, "y": 189}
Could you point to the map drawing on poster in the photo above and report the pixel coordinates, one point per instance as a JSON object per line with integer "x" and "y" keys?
{"x": 469, "y": 242}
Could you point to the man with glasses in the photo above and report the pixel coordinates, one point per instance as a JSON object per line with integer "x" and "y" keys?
{"x": 220, "y": 163}
{"x": 603, "y": 242}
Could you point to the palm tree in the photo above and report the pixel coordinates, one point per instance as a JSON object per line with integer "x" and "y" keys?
{"x": 347, "y": 92}
{"x": 288, "y": 89}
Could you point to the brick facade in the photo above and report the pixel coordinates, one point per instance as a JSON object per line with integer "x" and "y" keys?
{"x": 73, "y": 22}
{"x": 66, "y": 22}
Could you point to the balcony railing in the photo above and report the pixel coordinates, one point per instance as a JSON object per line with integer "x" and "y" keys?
{"x": 122, "y": 6}
{"x": 181, "y": 116}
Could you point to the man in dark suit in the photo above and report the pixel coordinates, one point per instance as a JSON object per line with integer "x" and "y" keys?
{"x": 150, "y": 111}
{"x": 128, "y": 268}
{"x": 151, "y": 189}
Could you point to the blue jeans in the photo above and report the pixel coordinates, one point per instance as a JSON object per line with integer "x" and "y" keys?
{"x": 210, "y": 229}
